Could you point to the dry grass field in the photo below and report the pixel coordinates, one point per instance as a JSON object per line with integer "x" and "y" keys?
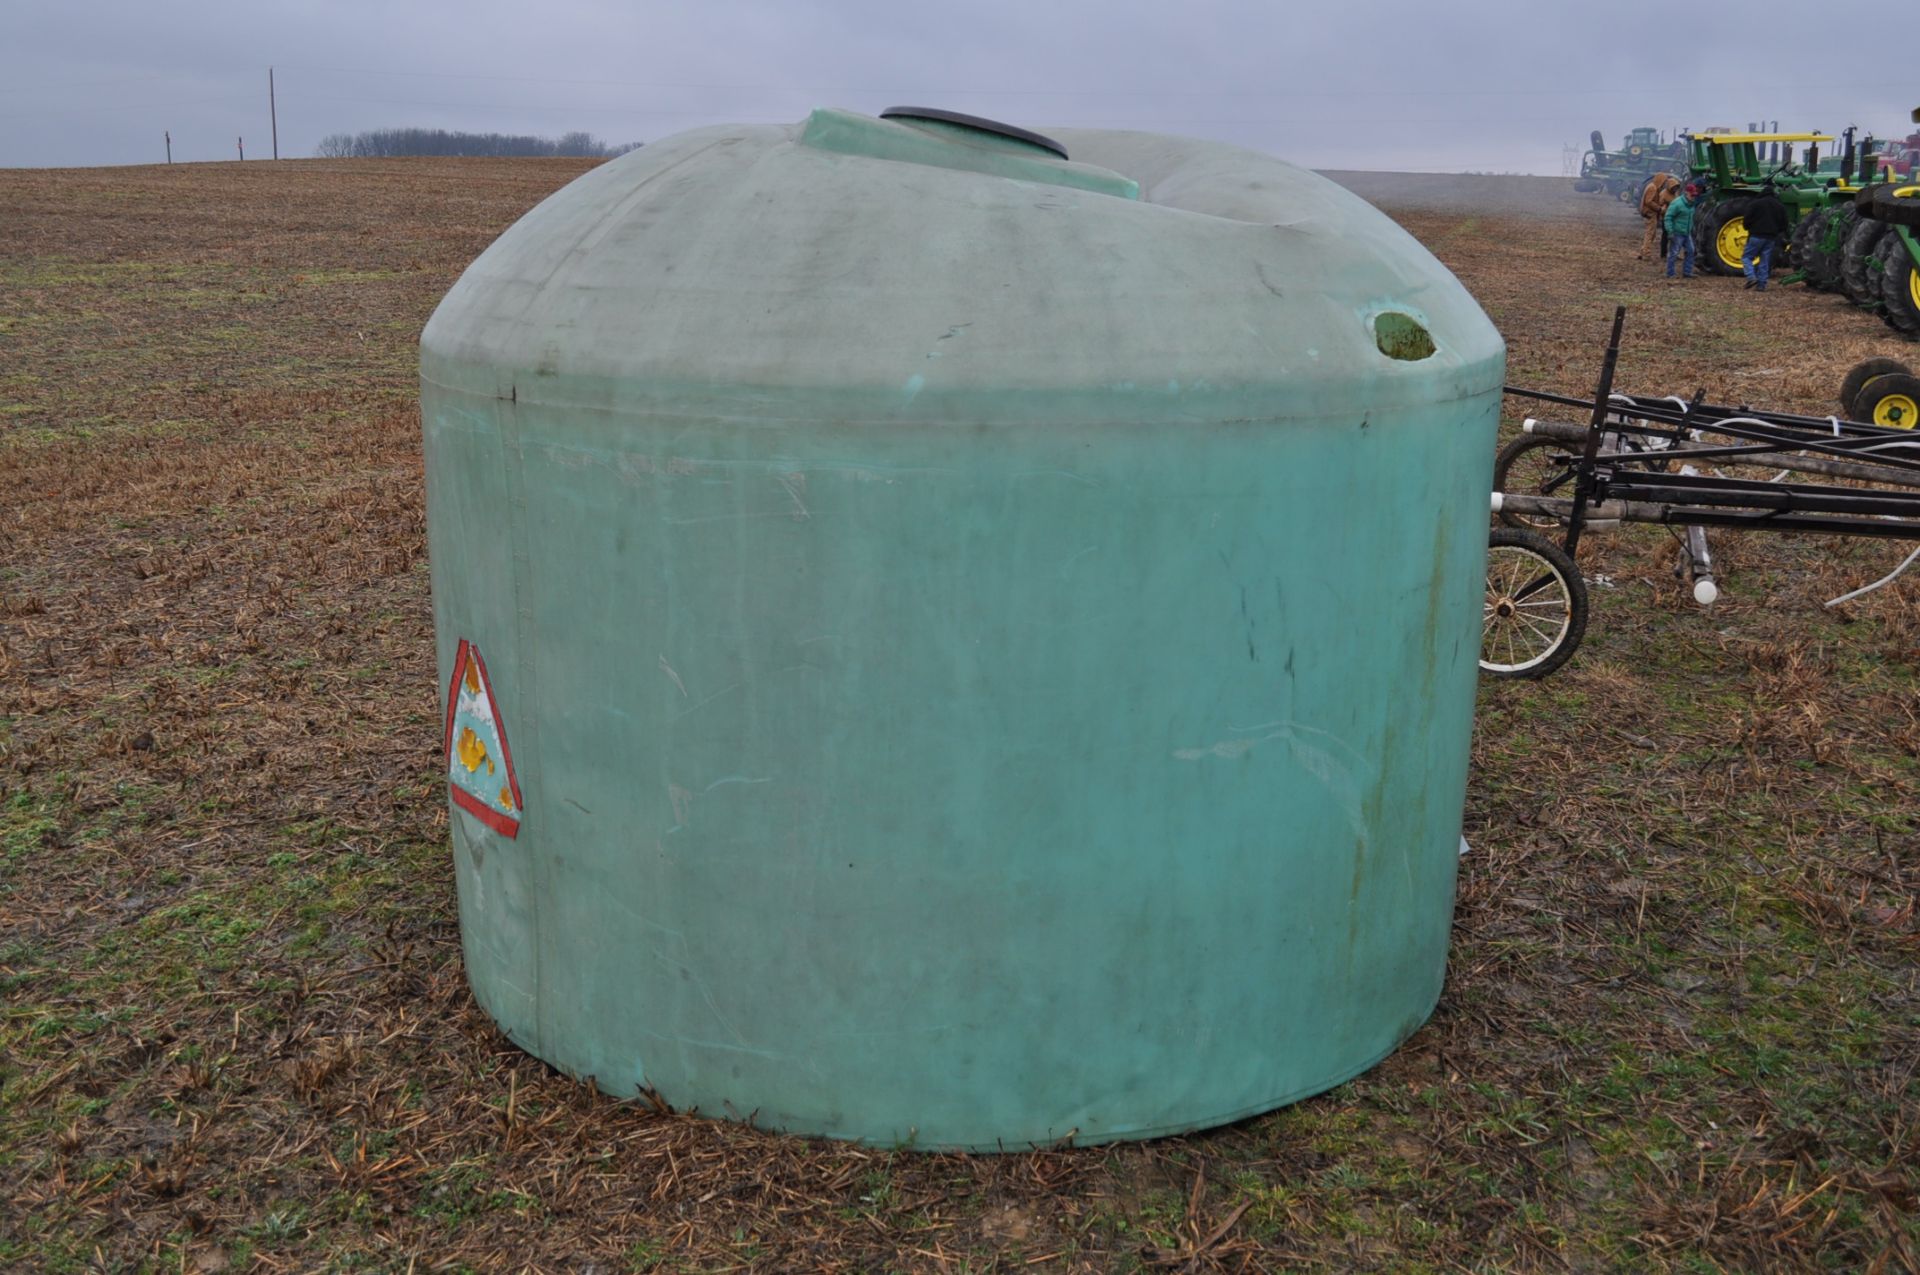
{"x": 1681, "y": 1027}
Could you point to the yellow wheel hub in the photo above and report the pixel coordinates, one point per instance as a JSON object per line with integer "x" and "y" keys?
{"x": 1913, "y": 286}
{"x": 1731, "y": 241}
{"x": 1901, "y": 411}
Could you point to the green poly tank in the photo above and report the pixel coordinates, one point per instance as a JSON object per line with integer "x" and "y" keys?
{"x": 954, "y": 645}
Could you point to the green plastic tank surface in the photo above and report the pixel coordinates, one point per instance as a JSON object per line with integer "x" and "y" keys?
{"x": 954, "y": 646}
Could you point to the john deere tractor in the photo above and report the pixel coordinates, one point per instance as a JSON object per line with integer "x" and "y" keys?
{"x": 1888, "y": 247}
{"x": 1621, "y": 173}
{"x": 1867, "y": 245}
{"x": 1881, "y": 261}
{"x": 1733, "y": 168}
{"x": 1846, "y": 236}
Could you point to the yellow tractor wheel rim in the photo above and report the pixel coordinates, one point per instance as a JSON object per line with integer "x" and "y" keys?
{"x": 1913, "y": 286}
{"x": 1901, "y": 411}
{"x": 1731, "y": 241}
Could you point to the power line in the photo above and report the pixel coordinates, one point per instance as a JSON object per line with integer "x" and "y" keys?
{"x": 127, "y": 106}
{"x": 722, "y": 113}
{"x": 1341, "y": 93}
{"x": 95, "y": 84}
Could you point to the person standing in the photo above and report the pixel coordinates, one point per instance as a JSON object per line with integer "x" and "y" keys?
{"x": 1660, "y": 190}
{"x": 1766, "y": 222}
{"x": 1679, "y": 224}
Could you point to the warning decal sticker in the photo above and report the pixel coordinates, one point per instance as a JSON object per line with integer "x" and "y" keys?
{"x": 479, "y": 767}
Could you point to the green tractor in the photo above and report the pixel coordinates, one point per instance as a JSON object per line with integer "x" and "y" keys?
{"x": 1885, "y": 243}
{"x": 1846, "y": 237}
{"x": 1865, "y": 244}
{"x": 1880, "y": 263}
{"x": 1621, "y": 173}
{"x": 1732, "y": 168}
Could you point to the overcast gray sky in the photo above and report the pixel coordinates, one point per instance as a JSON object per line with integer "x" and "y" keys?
{"x": 1336, "y": 83}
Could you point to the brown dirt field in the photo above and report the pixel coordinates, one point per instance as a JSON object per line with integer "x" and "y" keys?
{"x": 1681, "y": 1026}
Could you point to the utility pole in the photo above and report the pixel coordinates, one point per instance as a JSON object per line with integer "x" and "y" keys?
{"x": 241, "y": 142}
{"x": 273, "y": 114}
{"x": 168, "y": 134}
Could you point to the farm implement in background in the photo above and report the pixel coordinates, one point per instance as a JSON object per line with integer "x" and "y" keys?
{"x": 1623, "y": 172}
{"x": 1665, "y": 460}
{"x": 1856, "y": 238}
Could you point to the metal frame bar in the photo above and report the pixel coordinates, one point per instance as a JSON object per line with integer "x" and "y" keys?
{"x": 1623, "y": 486}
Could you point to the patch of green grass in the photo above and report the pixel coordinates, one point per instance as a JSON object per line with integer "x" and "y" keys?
{"x": 457, "y": 1194}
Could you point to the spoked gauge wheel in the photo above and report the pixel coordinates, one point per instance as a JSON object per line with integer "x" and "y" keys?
{"x": 1536, "y": 606}
{"x": 1526, "y": 467}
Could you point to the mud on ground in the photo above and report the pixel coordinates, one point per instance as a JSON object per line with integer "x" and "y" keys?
{"x": 1681, "y": 1023}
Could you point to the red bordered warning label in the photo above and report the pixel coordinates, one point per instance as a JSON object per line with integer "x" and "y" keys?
{"x": 479, "y": 767}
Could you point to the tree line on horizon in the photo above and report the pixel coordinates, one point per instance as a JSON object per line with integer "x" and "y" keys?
{"x": 392, "y": 143}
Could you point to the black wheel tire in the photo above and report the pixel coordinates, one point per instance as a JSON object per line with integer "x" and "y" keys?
{"x": 1815, "y": 259}
{"x": 1899, "y": 285}
{"x": 1533, "y": 552}
{"x": 1586, "y": 185}
{"x": 1863, "y": 199}
{"x": 1523, "y": 468}
{"x": 1703, "y": 220}
{"x": 1721, "y": 215}
{"x": 1786, "y": 260}
{"x": 1799, "y": 247}
{"x": 1892, "y": 400}
{"x": 1857, "y": 264}
{"x": 1856, "y": 378}
{"x": 1825, "y": 260}
{"x": 1896, "y": 208}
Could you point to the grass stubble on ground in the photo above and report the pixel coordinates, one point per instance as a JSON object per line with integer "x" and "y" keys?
{"x": 1681, "y": 1023}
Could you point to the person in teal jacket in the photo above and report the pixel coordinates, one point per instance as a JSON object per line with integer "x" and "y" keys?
{"x": 1679, "y": 226}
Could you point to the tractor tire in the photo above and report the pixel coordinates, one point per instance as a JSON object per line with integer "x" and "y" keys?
{"x": 1899, "y": 286}
{"x": 1815, "y": 259}
{"x": 1702, "y": 217}
{"x": 1863, "y": 199}
{"x": 1799, "y": 248}
{"x": 1586, "y": 185}
{"x": 1857, "y": 263}
{"x": 1719, "y": 234}
{"x": 1897, "y": 205}
{"x": 1824, "y": 262}
{"x": 1892, "y": 400}
{"x": 1786, "y": 259}
{"x": 1858, "y": 375}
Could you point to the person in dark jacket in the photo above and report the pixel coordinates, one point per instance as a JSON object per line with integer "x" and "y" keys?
{"x": 1766, "y": 222}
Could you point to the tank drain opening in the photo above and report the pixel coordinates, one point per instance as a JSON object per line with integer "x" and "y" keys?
{"x": 1400, "y": 336}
